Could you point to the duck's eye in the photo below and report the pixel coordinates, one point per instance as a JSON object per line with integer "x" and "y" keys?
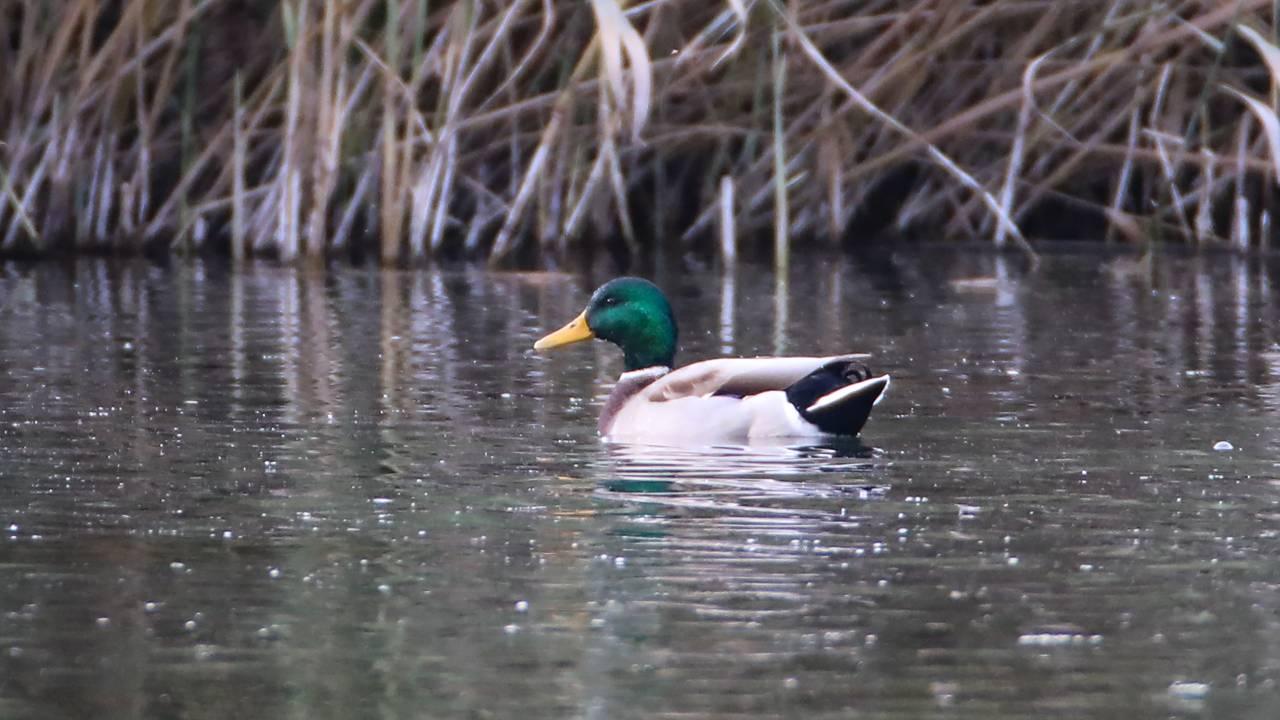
{"x": 611, "y": 301}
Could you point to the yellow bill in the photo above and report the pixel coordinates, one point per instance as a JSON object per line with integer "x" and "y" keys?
{"x": 576, "y": 331}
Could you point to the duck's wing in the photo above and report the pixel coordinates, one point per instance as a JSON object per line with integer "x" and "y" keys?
{"x": 737, "y": 377}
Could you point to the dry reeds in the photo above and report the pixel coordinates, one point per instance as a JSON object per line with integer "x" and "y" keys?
{"x": 405, "y": 129}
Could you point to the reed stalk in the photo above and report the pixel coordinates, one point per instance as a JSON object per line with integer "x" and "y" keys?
{"x": 781, "y": 211}
{"x": 239, "y": 237}
{"x": 728, "y": 233}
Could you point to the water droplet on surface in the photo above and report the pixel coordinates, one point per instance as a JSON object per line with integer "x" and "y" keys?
{"x": 1223, "y": 446}
{"x": 1188, "y": 690}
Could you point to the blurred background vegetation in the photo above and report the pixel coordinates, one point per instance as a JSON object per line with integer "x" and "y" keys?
{"x": 529, "y": 131}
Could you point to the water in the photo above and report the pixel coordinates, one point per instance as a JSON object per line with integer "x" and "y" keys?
{"x": 276, "y": 494}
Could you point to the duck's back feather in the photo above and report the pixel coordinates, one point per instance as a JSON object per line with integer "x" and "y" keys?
{"x": 736, "y": 377}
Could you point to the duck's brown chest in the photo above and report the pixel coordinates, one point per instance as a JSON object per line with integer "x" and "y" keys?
{"x": 629, "y": 385}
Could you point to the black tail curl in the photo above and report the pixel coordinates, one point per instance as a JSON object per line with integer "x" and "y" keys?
{"x": 849, "y": 414}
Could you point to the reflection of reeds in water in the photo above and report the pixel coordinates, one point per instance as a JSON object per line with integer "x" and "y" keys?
{"x": 405, "y": 128}
{"x": 1180, "y": 322}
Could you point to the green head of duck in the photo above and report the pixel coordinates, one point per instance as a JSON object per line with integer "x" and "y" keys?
{"x": 631, "y": 313}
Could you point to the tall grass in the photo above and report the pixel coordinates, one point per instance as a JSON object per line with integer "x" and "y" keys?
{"x": 531, "y": 129}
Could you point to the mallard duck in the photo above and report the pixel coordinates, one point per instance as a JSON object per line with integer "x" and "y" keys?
{"x": 721, "y": 400}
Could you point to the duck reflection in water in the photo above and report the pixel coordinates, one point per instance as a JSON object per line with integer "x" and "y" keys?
{"x": 758, "y": 479}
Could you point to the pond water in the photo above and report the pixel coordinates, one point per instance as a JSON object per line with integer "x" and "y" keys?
{"x": 358, "y": 494}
